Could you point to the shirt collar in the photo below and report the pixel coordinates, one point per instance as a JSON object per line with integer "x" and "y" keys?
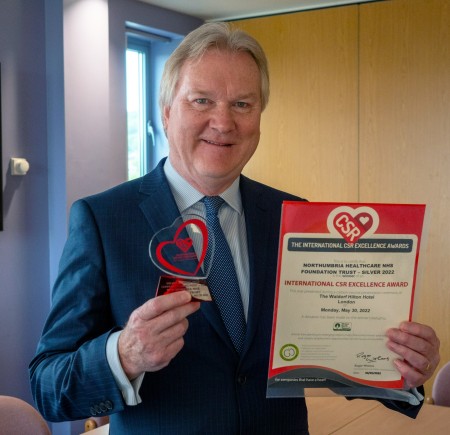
{"x": 186, "y": 196}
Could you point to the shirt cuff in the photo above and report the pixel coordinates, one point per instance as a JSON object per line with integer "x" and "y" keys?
{"x": 129, "y": 389}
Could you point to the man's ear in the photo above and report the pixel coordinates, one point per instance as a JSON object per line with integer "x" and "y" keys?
{"x": 165, "y": 117}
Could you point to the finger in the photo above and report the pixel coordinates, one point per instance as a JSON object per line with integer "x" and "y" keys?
{"x": 160, "y": 304}
{"x": 401, "y": 339}
{"x": 163, "y": 324}
{"x": 419, "y": 347}
{"x": 419, "y": 330}
{"x": 415, "y": 359}
{"x": 170, "y": 353}
{"x": 159, "y": 353}
{"x": 418, "y": 337}
{"x": 412, "y": 377}
{"x": 173, "y": 333}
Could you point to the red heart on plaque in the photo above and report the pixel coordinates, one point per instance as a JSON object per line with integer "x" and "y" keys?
{"x": 184, "y": 244}
{"x": 352, "y": 228}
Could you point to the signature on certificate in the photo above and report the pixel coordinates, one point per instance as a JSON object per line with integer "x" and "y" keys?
{"x": 371, "y": 358}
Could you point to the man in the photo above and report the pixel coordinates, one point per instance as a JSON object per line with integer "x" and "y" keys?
{"x": 167, "y": 365}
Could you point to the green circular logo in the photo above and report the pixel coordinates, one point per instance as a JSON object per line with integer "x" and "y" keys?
{"x": 289, "y": 352}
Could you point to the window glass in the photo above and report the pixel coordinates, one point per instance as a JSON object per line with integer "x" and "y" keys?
{"x": 137, "y": 110}
{"x": 146, "y": 55}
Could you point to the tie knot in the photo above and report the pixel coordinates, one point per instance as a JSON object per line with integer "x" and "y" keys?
{"x": 212, "y": 204}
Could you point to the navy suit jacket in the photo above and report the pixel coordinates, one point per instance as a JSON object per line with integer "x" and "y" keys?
{"x": 105, "y": 273}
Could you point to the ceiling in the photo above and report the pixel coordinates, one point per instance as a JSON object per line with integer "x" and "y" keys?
{"x": 217, "y": 10}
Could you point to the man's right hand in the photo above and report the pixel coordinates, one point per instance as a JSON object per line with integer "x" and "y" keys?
{"x": 154, "y": 333}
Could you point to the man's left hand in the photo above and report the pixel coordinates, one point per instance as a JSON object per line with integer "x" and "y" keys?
{"x": 418, "y": 345}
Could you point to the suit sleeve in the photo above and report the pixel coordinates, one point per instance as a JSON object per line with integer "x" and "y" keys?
{"x": 70, "y": 376}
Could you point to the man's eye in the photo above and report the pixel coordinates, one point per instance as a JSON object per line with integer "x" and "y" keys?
{"x": 242, "y": 104}
{"x": 201, "y": 100}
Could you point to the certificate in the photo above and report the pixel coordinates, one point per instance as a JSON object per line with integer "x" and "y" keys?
{"x": 346, "y": 273}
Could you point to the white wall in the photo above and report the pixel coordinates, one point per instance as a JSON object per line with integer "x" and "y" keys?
{"x": 86, "y": 65}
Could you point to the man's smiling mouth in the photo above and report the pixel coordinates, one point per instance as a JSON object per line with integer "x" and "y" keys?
{"x": 220, "y": 144}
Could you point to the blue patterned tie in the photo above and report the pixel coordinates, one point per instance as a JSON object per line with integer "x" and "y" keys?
{"x": 222, "y": 279}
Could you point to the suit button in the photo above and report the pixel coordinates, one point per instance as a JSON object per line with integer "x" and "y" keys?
{"x": 242, "y": 379}
{"x": 108, "y": 405}
{"x": 93, "y": 410}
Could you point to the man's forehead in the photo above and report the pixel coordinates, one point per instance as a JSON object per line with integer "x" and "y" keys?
{"x": 219, "y": 64}
{"x": 220, "y": 55}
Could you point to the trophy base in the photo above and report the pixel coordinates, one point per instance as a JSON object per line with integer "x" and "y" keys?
{"x": 196, "y": 287}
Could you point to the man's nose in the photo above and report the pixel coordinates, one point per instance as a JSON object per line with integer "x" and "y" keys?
{"x": 222, "y": 118}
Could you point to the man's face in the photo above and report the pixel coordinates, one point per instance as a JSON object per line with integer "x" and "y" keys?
{"x": 213, "y": 123}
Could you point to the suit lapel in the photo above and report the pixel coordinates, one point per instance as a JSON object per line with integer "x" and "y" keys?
{"x": 257, "y": 221}
{"x": 159, "y": 206}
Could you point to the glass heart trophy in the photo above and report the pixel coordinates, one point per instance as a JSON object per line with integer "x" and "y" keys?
{"x": 184, "y": 252}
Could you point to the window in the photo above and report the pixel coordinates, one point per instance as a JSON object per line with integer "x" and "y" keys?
{"x": 138, "y": 120}
{"x": 146, "y": 55}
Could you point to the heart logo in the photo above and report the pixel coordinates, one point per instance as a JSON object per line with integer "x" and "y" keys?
{"x": 180, "y": 250}
{"x": 352, "y": 224}
{"x": 364, "y": 220}
{"x": 184, "y": 244}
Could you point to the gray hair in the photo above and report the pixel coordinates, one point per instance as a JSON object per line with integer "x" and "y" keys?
{"x": 211, "y": 35}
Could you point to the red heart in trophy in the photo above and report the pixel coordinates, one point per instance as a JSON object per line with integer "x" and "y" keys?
{"x": 183, "y": 245}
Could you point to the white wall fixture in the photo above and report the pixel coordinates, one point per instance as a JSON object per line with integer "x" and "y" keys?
{"x": 19, "y": 166}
